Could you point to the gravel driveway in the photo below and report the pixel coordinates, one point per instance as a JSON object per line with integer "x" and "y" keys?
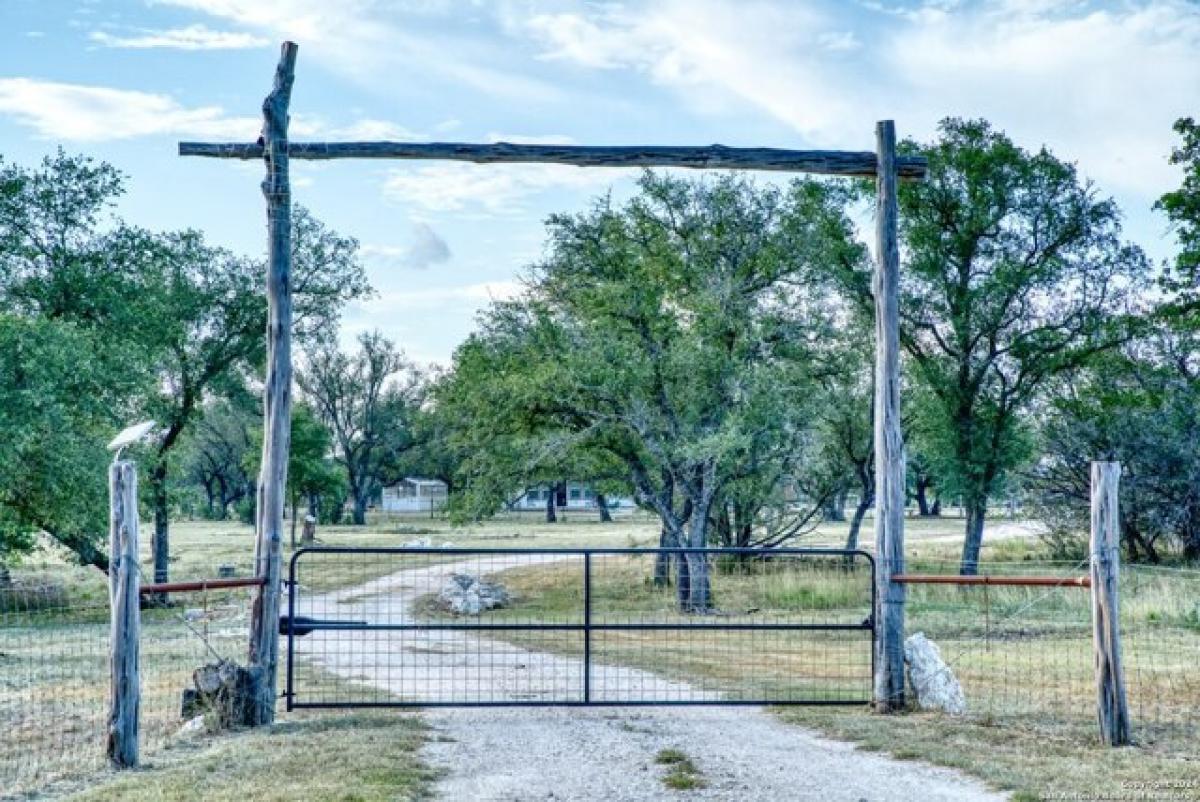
{"x": 519, "y": 754}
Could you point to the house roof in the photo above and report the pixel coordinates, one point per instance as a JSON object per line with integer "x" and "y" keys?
{"x": 419, "y": 481}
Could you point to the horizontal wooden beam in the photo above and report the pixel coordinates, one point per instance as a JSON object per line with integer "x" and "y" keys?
{"x": 201, "y": 585}
{"x": 825, "y": 162}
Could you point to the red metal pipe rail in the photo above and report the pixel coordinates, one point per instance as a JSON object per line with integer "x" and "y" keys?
{"x": 1011, "y": 581}
{"x": 201, "y": 585}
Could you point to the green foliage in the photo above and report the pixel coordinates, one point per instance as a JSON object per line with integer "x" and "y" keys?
{"x": 1139, "y": 406}
{"x": 69, "y": 279}
{"x": 54, "y": 423}
{"x": 676, "y": 337}
{"x": 367, "y": 401}
{"x": 170, "y": 322}
{"x": 1014, "y": 272}
{"x": 314, "y": 477}
{"x": 1182, "y": 207}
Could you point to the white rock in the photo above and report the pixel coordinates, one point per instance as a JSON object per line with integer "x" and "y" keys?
{"x": 935, "y": 684}
{"x": 446, "y": 544}
{"x": 419, "y": 543}
{"x": 192, "y": 728}
{"x": 464, "y": 594}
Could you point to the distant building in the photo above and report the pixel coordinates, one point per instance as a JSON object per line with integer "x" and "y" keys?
{"x": 569, "y": 496}
{"x": 414, "y": 494}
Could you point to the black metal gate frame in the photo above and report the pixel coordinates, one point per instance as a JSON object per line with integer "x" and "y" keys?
{"x": 587, "y": 627}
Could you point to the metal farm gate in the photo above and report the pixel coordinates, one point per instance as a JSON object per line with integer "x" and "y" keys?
{"x": 400, "y": 627}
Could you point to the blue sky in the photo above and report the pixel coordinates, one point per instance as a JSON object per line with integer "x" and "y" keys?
{"x": 124, "y": 80}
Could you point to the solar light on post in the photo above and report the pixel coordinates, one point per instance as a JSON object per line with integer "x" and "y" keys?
{"x": 123, "y": 586}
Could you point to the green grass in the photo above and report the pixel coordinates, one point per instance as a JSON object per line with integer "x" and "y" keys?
{"x": 330, "y": 758}
{"x": 682, "y": 774}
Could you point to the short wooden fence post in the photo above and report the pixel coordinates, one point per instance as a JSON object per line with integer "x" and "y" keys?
{"x": 1112, "y": 707}
{"x": 123, "y": 581}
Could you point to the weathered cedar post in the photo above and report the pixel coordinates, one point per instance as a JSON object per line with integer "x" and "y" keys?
{"x": 123, "y": 587}
{"x": 1112, "y": 708}
{"x": 889, "y": 440}
{"x": 277, "y": 396}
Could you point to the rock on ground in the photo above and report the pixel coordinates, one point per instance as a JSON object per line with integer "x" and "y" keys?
{"x": 466, "y": 594}
{"x": 936, "y": 686}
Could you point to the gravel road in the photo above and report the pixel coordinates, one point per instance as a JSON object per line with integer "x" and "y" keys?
{"x": 521, "y": 754}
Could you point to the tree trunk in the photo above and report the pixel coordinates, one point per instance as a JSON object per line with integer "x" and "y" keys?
{"x": 551, "y": 503}
{"x": 835, "y": 507}
{"x": 973, "y": 541}
{"x": 724, "y": 525}
{"x": 683, "y": 581}
{"x": 936, "y": 509}
{"x": 922, "y": 487}
{"x": 602, "y": 505}
{"x": 360, "y": 508}
{"x": 860, "y": 512}
{"x": 210, "y": 499}
{"x": 295, "y": 505}
{"x": 699, "y": 589}
{"x": 662, "y": 560}
{"x": 160, "y": 546}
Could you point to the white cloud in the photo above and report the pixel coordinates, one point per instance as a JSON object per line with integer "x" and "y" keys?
{"x": 367, "y": 130}
{"x": 365, "y": 39}
{"x": 425, "y": 248}
{"x": 1098, "y": 82}
{"x": 839, "y": 40}
{"x": 192, "y": 37}
{"x": 469, "y": 295}
{"x": 1102, "y": 87}
{"x": 492, "y": 188}
{"x": 87, "y": 113}
{"x": 82, "y": 113}
{"x": 530, "y": 139}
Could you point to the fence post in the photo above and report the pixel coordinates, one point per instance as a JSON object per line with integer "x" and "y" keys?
{"x": 1112, "y": 708}
{"x": 277, "y": 395}
{"x": 889, "y": 439}
{"x": 124, "y": 588}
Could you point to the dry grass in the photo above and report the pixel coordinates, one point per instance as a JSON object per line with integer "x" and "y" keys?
{"x": 1023, "y": 657}
{"x": 1043, "y": 658}
{"x": 1035, "y": 758}
{"x": 330, "y": 758}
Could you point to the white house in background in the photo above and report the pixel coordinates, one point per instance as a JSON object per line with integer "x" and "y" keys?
{"x": 570, "y": 496}
{"x": 414, "y": 494}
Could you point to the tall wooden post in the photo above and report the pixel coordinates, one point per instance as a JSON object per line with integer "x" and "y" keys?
{"x": 277, "y": 395}
{"x": 1111, "y": 705}
{"x": 123, "y": 588}
{"x": 889, "y": 439}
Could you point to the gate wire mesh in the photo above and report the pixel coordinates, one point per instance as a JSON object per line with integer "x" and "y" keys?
{"x": 54, "y": 683}
{"x": 576, "y": 626}
{"x": 1024, "y": 655}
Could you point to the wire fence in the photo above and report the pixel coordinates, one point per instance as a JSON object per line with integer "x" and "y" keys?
{"x": 1024, "y": 655}
{"x": 54, "y": 683}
